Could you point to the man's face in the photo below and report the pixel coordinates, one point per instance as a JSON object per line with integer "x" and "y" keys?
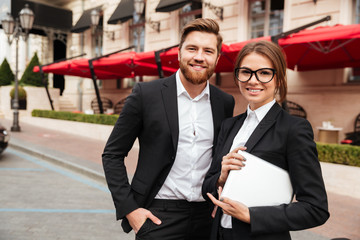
{"x": 198, "y": 57}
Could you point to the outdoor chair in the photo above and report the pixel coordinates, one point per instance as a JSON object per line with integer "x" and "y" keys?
{"x": 119, "y": 106}
{"x": 294, "y": 109}
{"x": 106, "y": 104}
{"x": 353, "y": 138}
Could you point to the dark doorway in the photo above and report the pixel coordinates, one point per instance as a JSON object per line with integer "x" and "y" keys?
{"x": 59, "y": 53}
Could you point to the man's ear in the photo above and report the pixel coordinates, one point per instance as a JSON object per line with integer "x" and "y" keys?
{"x": 217, "y": 60}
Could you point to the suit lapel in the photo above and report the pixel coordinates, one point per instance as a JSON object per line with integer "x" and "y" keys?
{"x": 233, "y": 131}
{"x": 264, "y": 125}
{"x": 169, "y": 95}
{"x": 217, "y": 111}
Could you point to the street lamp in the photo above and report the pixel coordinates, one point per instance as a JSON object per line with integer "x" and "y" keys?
{"x": 13, "y": 29}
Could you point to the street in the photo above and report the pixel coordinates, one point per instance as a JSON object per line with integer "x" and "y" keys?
{"x": 39, "y": 200}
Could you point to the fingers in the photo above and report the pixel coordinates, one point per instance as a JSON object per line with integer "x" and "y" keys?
{"x": 153, "y": 218}
{"x": 214, "y": 211}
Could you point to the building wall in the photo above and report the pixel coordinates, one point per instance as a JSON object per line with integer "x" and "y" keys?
{"x": 325, "y": 94}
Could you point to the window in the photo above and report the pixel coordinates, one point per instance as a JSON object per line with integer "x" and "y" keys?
{"x": 266, "y": 17}
{"x": 355, "y": 72}
{"x": 97, "y": 38}
{"x": 190, "y": 12}
{"x": 137, "y": 32}
{"x": 357, "y": 11}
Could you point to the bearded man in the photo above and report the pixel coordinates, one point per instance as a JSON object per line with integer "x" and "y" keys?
{"x": 176, "y": 120}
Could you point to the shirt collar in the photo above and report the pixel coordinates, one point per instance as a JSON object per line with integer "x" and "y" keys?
{"x": 181, "y": 89}
{"x": 261, "y": 111}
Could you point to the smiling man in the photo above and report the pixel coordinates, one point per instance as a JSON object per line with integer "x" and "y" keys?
{"x": 177, "y": 120}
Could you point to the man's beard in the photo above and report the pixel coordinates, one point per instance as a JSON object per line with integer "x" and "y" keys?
{"x": 196, "y": 78}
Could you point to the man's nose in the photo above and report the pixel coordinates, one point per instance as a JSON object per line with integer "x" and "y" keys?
{"x": 199, "y": 56}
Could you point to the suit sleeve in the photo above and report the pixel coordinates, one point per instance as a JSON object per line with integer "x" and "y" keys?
{"x": 310, "y": 208}
{"x": 213, "y": 174}
{"x": 120, "y": 142}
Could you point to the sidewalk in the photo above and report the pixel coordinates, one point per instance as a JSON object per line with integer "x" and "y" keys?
{"x": 83, "y": 154}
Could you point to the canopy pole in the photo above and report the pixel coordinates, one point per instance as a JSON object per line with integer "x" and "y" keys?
{"x": 276, "y": 38}
{"x": 43, "y": 76}
{"x": 158, "y": 59}
{"x": 93, "y": 77}
{"x": 46, "y": 87}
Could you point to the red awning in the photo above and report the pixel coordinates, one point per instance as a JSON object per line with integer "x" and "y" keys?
{"x": 320, "y": 48}
{"x": 79, "y": 68}
{"x": 323, "y": 48}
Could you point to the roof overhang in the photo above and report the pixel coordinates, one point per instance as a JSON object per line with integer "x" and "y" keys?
{"x": 44, "y": 15}
{"x": 123, "y": 12}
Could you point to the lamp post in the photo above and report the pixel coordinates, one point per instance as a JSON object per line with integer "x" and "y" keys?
{"x": 13, "y": 29}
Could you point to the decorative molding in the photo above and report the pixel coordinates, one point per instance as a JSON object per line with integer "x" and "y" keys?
{"x": 218, "y": 11}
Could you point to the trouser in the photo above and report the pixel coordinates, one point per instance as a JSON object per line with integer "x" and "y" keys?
{"x": 225, "y": 234}
{"x": 180, "y": 220}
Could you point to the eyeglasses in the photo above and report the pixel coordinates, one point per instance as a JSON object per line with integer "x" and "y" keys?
{"x": 263, "y": 75}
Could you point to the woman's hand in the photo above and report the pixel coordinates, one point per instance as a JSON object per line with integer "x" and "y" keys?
{"x": 230, "y": 207}
{"x": 231, "y": 161}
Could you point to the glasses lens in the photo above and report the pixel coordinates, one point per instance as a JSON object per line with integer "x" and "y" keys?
{"x": 265, "y": 75}
{"x": 243, "y": 74}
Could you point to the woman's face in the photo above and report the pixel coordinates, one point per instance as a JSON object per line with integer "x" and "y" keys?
{"x": 256, "y": 92}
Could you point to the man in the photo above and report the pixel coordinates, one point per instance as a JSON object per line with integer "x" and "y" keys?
{"x": 176, "y": 120}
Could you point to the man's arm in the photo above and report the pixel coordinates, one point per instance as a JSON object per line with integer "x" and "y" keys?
{"x": 120, "y": 142}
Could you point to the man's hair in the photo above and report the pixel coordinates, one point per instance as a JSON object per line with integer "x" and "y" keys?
{"x": 202, "y": 25}
{"x": 276, "y": 56}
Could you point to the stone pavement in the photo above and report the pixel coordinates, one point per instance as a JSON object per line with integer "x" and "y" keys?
{"x": 83, "y": 155}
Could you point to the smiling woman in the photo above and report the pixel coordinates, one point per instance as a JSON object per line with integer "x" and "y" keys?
{"x": 270, "y": 133}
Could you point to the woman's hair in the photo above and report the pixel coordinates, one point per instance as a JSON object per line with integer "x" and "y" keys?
{"x": 202, "y": 25}
{"x": 274, "y": 53}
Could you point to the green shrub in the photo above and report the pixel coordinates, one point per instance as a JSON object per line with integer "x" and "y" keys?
{"x": 33, "y": 78}
{"x": 341, "y": 154}
{"x": 21, "y": 93}
{"x": 78, "y": 117}
{"x": 6, "y": 75}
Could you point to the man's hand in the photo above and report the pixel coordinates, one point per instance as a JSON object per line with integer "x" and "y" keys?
{"x": 138, "y": 217}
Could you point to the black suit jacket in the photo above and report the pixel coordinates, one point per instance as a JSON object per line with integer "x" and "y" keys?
{"x": 150, "y": 114}
{"x": 285, "y": 141}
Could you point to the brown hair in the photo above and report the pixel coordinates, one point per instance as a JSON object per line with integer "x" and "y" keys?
{"x": 274, "y": 53}
{"x": 202, "y": 25}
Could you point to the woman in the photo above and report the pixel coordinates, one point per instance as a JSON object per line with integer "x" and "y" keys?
{"x": 268, "y": 132}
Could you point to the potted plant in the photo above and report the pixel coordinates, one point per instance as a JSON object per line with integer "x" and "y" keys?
{"x": 21, "y": 97}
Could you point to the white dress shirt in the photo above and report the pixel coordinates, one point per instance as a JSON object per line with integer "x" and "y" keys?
{"x": 251, "y": 122}
{"x": 193, "y": 156}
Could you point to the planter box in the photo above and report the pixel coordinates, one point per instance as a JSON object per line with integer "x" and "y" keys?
{"x": 22, "y": 104}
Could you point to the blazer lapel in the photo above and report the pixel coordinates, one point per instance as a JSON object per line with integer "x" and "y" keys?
{"x": 217, "y": 111}
{"x": 264, "y": 125}
{"x": 169, "y": 95}
{"x": 233, "y": 131}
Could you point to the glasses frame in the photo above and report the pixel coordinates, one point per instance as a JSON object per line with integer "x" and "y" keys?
{"x": 254, "y": 72}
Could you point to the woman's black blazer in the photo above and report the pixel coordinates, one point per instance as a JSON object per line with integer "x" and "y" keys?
{"x": 285, "y": 141}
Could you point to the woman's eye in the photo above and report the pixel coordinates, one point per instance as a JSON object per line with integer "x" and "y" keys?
{"x": 265, "y": 72}
{"x": 244, "y": 71}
